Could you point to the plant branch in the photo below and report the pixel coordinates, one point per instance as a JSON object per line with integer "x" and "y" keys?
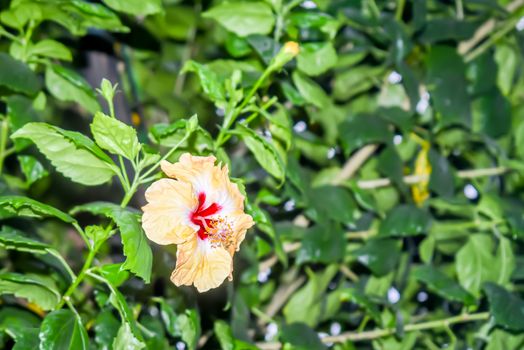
{"x": 354, "y": 163}
{"x": 60, "y": 258}
{"x": 486, "y": 29}
{"x": 4, "y": 130}
{"x": 380, "y": 333}
{"x": 144, "y": 176}
{"x": 77, "y": 280}
{"x": 413, "y": 179}
{"x": 230, "y": 119}
{"x": 280, "y": 298}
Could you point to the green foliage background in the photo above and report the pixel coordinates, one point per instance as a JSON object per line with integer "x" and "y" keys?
{"x": 382, "y": 165}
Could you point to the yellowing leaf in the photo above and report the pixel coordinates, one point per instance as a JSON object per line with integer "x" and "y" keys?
{"x": 419, "y": 190}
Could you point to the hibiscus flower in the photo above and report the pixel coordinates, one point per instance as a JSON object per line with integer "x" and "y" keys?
{"x": 202, "y": 211}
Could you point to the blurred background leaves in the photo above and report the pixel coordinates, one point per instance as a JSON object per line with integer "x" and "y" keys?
{"x": 383, "y": 167}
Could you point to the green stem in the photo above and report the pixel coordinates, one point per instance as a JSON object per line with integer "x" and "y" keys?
{"x": 4, "y": 130}
{"x": 506, "y": 28}
{"x": 124, "y": 173}
{"x": 129, "y": 194}
{"x": 254, "y": 115}
{"x": 374, "y": 8}
{"x": 279, "y": 24}
{"x": 9, "y": 35}
{"x": 63, "y": 262}
{"x": 82, "y": 234}
{"x": 460, "y": 9}
{"x": 157, "y": 164}
{"x": 229, "y": 120}
{"x": 400, "y": 9}
{"x": 27, "y": 39}
{"x": 77, "y": 280}
{"x": 9, "y": 151}
{"x": 110, "y": 286}
{"x": 379, "y": 333}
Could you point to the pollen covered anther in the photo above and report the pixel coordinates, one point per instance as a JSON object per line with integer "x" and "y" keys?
{"x": 220, "y": 233}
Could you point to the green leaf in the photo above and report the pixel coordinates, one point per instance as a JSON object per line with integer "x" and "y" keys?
{"x": 18, "y": 16}
{"x": 70, "y": 153}
{"x": 264, "y": 224}
{"x": 307, "y": 304}
{"x": 506, "y": 308}
{"x": 11, "y": 238}
{"x": 310, "y": 90}
{"x": 492, "y": 114}
{"x": 50, "y": 48}
{"x": 441, "y": 180}
{"x": 115, "y": 136}
{"x": 379, "y": 255}
{"x": 499, "y": 339}
{"x": 139, "y": 257}
{"x": 67, "y": 85}
{"x": 264, "y": 151}
{"x": 355, "y": 81}
{"x": 224, "y": 335}
{"x": 237, "y": 46}
{"x": 12, "y": 317}
{"x": 97, "y": 235}
{"x": 301, "y": 337}
{"x": 17, "y": 77}
{"x": 390, "y": 164}
{"x": 63, "y": 329}
{"x": 243, "y": 18}
{"x": 26, "y": 339}
{"x": 125, "y": 340}
{"x": 22, "y": 325}
{"x": 119, "y": 302}
{"x": 426, "y": 249}
{"x": 33, "y": 170}
{"x": 332, "y": 202}
{"x": 360, "y": 130}
{"x": 447, "y": 85}
{"x": 227, "y": 341}
{"x": 314, "y": 20}
{"x": 447, "y": 29}
{"x": 475, "y": 263}
{"x": 361, "y": 299}
{"x": 442, "y": 285}
{"x": 136, "y": 7}
{"x": 12, "y": 206}
{"x": 505, "y": 261}
{"x": 209, "y": 81}
{"x": 322, "y": 243}
{"x": 114, "y": 273}
{"x": 280, "y": 126}
{"x": 316, "y": 58}
{"x": 405, "y": 220}
{"x": 37, "y": 289}
{"x": 507, "y": 59}
{"x": 106, "y": 327}
{"x": 188, "y": 327}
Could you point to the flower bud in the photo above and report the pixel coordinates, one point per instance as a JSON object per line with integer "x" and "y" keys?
{"x": 286, "y": 54}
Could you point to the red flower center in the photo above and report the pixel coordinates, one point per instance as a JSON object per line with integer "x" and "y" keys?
{"x": 199, "y": 216}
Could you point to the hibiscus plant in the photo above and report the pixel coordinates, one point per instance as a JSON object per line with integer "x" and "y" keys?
{"x": 261, "y": 174}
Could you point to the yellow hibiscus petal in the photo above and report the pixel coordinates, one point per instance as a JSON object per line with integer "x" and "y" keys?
{"x": 201, "y": 264}
{"x": 188, "y": 167}
{"x": 242, "y": 222}
{"x": 166, "y": 218}
{"x": 208, "y": 178}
